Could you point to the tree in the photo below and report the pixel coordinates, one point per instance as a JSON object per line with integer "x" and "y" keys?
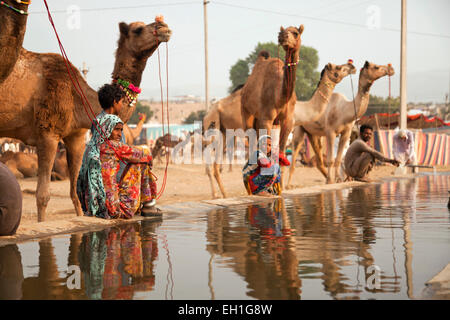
{"x": 307, "y": 76}
{"x": 382, "y": 105}
{"x": 195, "y": 116}
{"x": 140, "y": 108}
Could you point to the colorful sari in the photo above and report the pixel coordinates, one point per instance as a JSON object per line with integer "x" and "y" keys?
{"x": 98, "y": 188}
{"x": 262, "y": 176}
{"x": 136, "y": 185}
{"x": 90, "y": 188}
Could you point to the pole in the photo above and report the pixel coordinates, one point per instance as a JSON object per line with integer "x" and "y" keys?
{"x": 205, "y": 18}
{"x": 403, "y": 110}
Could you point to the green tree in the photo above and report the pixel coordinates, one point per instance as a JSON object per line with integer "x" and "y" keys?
{"x": 382, "y": 105}
{"x": 307, "y": 76}
{"x": 195, "y": 116}
{"x": 140, "y": 108}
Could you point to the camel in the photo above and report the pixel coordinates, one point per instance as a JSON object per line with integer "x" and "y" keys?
{"x": 166, "y": 141}
{"x": 224, "y": 114}
{"x": 268, "y": 96}
{"x": 338, "y": 119}
{"x": 12, "y": 31}
{"x": 39, "y": 105}
{"x": 22, "y": 165}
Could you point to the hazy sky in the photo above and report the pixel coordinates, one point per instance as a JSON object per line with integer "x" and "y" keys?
{"x": 338, "y": 29}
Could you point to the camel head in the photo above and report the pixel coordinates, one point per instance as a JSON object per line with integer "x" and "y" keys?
{"x": 372, "y": 71}
{"x": 336, "y": 73}
{"x": 143, "y": 39}
{"x": 289, "y": 38}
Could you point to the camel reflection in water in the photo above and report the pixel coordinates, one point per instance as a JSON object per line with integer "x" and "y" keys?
{"x": 115, "y": 264}
{"x": 330, "y": 236}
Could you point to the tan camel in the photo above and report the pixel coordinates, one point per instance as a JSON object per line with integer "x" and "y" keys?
{"x": 224, "y": 114}
{"x": 268, "y": 97}
{"x": 338, "y": 119}
{"x": 39, "y": 105}
{"x": 311, "y": 110}
{"x": 22, "y": 165}
{"x": 12, "y": 31}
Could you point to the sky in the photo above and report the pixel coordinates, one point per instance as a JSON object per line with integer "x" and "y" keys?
{"x": 338, "y": 29}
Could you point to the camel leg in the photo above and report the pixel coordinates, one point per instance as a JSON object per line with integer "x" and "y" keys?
{"x": 286, "y": 128}
{"x": 219, "y": 179}
{"x": 297, "y": 142}
{"x": 331, "y": 137}
{"x": 345, "y": 136}
{"x": 75, "y": 149}
{"x": 317, "y": 147}
{"x": 46, "y": 150}
{"x": 213, "y": 188}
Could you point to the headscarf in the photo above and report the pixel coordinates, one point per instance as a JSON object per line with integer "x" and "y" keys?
{"x": 90, "y": 189}
{"x": 105, "y": 127}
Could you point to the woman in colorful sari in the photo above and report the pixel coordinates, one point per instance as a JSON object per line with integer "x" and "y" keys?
{"x": 100, "y": 192}
{"x": 262, "y": 176}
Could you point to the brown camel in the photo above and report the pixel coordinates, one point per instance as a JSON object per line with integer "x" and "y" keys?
{"x": 40, "y": 106}
{"x": 268, "y": 97}
{"x": 338, "y": 119}
{"x": 12, "y": 31}
{"x": 224, "y": 114}
{"x": 166, "y": 141}
{"x": 23, "y": 165}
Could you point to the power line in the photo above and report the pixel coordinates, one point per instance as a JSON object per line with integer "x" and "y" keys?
{"x": 121, "y": 8}
{"x": 327, "y": 20}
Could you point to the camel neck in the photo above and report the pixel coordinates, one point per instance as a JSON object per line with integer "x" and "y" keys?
{"x": 323, "y": 91}
{"x": 362, "y": 97}
{"x": 289, "y": 73}
{"x": 128, "y": 67}
{"x": 12, "y": 32}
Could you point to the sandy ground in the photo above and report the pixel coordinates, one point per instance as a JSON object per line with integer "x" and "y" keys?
{"x": 184, "y": 183}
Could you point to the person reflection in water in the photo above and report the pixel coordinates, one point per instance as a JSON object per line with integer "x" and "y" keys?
{"x": 275, "y": 238}
{"x": 119, "y": 262}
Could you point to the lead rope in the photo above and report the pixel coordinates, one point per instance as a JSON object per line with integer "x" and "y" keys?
{"x": 163, "y": 186}
{"x": 78, "y": 88}
{"x": 389, "y": 101}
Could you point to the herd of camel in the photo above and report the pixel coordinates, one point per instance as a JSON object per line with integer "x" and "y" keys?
{"x": 39, "y": 105}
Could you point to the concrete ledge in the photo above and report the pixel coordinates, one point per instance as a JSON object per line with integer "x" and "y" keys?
{"x": 77, "y": 224}
{"x": 71, "y": 225}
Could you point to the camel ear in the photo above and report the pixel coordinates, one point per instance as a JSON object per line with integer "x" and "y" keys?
{"x": 301, "y": 28}
{"x": 124, "y": 28}
{"x": 281, "y": 29}
{"x": 328, "y": 66}
{"x": 366, "y": 65}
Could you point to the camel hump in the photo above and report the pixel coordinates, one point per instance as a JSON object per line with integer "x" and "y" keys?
{"x": 264, "y": 53}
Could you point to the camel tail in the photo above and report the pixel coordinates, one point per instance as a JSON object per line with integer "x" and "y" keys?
{"x": 264, "y": 54}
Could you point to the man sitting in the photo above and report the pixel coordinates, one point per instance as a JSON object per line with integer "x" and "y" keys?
{"x": 360, "y": 157}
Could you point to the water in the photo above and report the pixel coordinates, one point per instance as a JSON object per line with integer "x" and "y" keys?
{"x": 321, "y": 246}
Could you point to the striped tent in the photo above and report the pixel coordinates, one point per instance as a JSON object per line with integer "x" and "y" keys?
{"x": 431, "y": 148}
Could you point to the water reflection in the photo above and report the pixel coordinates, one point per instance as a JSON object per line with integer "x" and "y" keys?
{"x": 11, "y": 273}
{"x": 320, "y": 246}
{"x": 262, "y": 248}
{"x": 118, "y": 263}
